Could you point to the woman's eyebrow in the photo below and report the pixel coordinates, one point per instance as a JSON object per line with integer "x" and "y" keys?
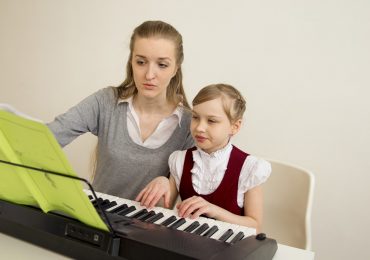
{"x": 140, "y": 56}
{"x": 164, "y": 58}
{"x": 160, "y": 58}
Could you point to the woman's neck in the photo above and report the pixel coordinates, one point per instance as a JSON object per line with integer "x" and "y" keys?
{"x": 152, "y": 106}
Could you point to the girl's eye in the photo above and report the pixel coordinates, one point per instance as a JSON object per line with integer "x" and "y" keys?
{"x": 195, "y": 117}
{"x": 212, "y": 121}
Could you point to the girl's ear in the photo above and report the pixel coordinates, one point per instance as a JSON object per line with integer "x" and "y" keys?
{"x": 235, "y": 127}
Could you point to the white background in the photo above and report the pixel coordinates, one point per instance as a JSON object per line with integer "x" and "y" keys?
{"x": 303, "y": 67}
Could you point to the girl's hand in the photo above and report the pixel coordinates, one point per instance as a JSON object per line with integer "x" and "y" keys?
{"x": 154, "y": 191}
{"x": 196, "y": 206}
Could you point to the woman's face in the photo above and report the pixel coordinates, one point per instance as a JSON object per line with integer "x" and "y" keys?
{"x": 153, "y": 64}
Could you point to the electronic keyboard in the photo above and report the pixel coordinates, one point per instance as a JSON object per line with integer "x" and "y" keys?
{"x": 138, "y": 233}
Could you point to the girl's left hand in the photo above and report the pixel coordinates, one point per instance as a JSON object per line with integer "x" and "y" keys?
{"x": 196, "y": 206}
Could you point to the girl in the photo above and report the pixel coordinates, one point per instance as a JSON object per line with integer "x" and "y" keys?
{"x": 215, "y": 178}
{"x": 139, "y": 123}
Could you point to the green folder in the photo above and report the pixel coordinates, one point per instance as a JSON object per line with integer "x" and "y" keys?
{"x": 31, "y": 143}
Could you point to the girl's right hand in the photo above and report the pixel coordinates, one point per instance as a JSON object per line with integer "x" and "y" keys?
{"x": 154, "y": 191}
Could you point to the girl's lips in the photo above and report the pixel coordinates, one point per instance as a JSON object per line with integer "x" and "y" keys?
{"x": 200, "y": 139}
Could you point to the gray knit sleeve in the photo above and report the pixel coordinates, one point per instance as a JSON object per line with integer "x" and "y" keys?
{"x": 189, "y": 142}
{"x": 82, "y": 118}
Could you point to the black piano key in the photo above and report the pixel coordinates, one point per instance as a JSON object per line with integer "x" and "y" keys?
{"x": 238, "y": 237}
{"x": 178, "y": 223}
{"x": 101, "y": 202}
{"x": 146, "y": 215}
{"x": 210, "y": 231}
{"x": 127, "y": 211}
{"x": 95, "y": 202}
{"x": 168, "y": 221}
{"x": 226, "y": 235}
{"x": 109, "y": 205}
{"x": 139, "y": 213}
{"x": 119, "y": 208}
{"x": 155, "y": 218}
{"x": 105, "y": 202}
{"x": 201, "y": 229}
{"x": 192, "y": 226}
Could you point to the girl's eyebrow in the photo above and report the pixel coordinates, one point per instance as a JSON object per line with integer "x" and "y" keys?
{"x": 209, "y": 116}
{"x": 213, "y": 116}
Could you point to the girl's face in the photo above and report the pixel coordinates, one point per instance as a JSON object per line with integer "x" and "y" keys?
{"x": 210, "y": 126}
{"x": 153, "y": 64}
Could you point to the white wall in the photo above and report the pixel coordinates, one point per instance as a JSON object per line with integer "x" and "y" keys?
{"x": 302, "y": 65}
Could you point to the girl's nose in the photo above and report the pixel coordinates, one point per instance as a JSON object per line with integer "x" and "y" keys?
{"x": 200, "y": 126}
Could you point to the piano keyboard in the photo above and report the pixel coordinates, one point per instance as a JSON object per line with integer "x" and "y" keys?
{"x": 214, "y": 229}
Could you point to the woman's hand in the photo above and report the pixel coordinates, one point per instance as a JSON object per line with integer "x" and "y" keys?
{"x": 195, "y": 206}
{"x": 154, "y": 191}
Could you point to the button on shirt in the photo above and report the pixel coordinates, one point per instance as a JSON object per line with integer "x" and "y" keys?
{"x": 209, "y": 169}
{"x": 161, "y": 134}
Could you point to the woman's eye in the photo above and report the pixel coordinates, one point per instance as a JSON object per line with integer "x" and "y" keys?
{"x": 195, "y": 117}
{"x": 212, "y": 121}
{"x": 163, "y": 65}
{"x": 140, "y": 62}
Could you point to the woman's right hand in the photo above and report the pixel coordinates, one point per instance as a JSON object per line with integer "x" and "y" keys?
{"x": 154, "y": 191}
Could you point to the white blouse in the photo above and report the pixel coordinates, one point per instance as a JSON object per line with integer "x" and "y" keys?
{"x": 209, "y": 169}
{"x": 161, "y": 134}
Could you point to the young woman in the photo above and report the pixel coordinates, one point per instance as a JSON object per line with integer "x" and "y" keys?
{"x": 215, "y": 178}
{"x": 139, "y": 123}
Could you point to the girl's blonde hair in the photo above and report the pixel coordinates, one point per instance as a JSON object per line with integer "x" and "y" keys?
{"x": 157, "y": 29}
{"x": 233, "y": 102}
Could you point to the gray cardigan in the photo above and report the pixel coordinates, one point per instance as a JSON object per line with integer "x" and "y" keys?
{"x": 123, "y": 167}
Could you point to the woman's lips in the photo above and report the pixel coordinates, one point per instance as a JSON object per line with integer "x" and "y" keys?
{"x": 149, "y": 86}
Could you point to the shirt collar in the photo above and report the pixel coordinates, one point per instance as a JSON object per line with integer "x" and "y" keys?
{"x": 219, "y": 153}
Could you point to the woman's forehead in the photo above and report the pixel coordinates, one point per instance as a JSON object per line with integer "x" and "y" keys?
{"x": 154, "y": 47}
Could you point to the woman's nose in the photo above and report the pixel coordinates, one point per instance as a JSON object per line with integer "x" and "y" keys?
{"x": 150, "y": 72}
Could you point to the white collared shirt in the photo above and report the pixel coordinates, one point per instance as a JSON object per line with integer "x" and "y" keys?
{"x": 161, "y": 134}
{"x": 209, "y": 169}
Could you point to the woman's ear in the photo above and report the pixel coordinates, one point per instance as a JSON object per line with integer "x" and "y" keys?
{"x": 175, "y": 71}
{"x": 235, "y": 126}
